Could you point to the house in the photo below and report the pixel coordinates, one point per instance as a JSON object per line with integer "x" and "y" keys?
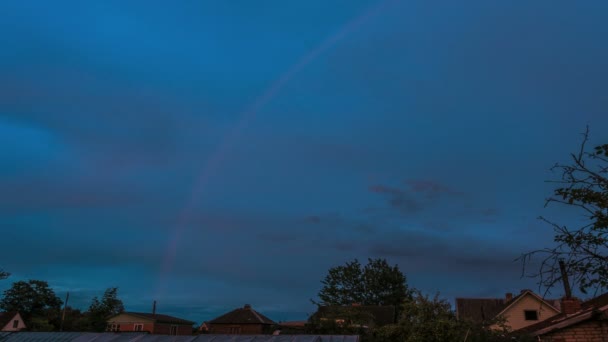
{"x": 356, "y": 315}
{"x": 152, "y": 323}
{"x": 587, "y": 321}
{"x": 11, "y": 321}
{"x": 514, "y": 313}
{"x": 241, "y": 321}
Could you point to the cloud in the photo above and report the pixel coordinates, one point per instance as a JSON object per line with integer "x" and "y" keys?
{"x": 418, "y": 195}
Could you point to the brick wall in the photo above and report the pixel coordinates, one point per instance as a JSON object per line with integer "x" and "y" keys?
{"x": 165, "y": 329}
{"x": 236, "y": 329}
{"x": 590, "y": 331}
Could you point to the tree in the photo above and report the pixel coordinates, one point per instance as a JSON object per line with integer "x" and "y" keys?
{"x": 36, "y": 302}
{"x": 583, "y": 185}
{"x": 430, "y": 319}
{"x": 108, "y": 306}
{"x": 4, "y": 274}
{"x": 375, "y": 284}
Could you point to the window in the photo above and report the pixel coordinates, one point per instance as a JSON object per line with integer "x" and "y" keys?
{"x": 15, "y": 324}
{"x": 173, "y": 330}
{"x": 531, "y": 315}
{"x": 138, "y": 327}
{"x": 113, "y": 327}
{"x": 234, "y": 330}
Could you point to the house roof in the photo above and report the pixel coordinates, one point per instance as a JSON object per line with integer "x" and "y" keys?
{"x": 244, "y": 315}
{"x": 158, "y": 318}
{"x": 593, "y": 308}
{"x": 484, "y": 309}
{"x": 6, "y": 317}
{"x": 381, "y": 314}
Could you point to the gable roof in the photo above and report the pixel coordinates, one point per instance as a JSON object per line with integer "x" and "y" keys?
{"x": 6, "y": 317}
{"x": 516, "y": 299}
{"x": 481, "y": 310}
{"x": 244, "y": 315}
{"x": 591, "y": 309}
{"x": 158, "y": 318}
{"x": 380, "y": 314}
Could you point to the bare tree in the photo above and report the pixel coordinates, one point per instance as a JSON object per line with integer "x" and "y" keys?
{"x": 583, "y": 184}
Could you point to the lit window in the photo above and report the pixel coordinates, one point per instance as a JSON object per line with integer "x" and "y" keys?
{"x": 531, "y": 315}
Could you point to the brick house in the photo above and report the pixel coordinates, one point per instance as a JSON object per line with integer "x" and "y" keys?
{"x": 517, "y": 312}
{"x": 578, "y": 322}
{"x": 150, "y": 322}
{"x": 11, "y": 321}
{"x": 241, "y": 321}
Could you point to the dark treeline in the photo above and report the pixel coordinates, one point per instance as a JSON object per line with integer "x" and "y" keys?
{"x": 42, "y": 309}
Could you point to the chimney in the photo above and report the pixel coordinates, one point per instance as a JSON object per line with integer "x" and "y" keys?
{"x": 247, "y": 307}
{"x": 569, "y": 304}
{"x": 154, "y": 308}
{"x": 508, "y": 296}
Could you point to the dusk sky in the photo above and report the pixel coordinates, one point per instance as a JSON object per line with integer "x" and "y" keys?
{"x": 208, "y": 154}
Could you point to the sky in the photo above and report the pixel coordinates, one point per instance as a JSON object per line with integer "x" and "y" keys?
{"x": 208, "y": 154}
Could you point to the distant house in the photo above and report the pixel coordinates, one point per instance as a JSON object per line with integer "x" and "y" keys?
{"x": 356, "y": 315}
{"x": 241, "y": 321}
{"x": 578, "y": 322}
{"x": 11, "y": 321}
{"x": 150, "y": 322}
{"x": 515, "y": 312}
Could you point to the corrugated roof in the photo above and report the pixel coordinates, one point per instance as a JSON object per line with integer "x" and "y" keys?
{"x": 143, "y": 337}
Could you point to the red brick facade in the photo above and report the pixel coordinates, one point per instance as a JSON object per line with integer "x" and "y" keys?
{"x": 237, "y": 329}
{"x": 590, "y": 331}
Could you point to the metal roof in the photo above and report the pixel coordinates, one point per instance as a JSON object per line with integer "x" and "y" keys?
{"x": 144, "y": 337}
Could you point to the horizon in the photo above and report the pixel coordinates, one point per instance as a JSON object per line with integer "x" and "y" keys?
{"x": 211, "y": 154}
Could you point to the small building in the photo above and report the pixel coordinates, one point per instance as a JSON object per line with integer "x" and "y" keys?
{"x": 152, "y": 323}
{"x": 11, "y": 321}
{"x": 517, "y": 312}
{"x": 241, "y": 321}
{"x": 578, "y": 322}
{"x": 363, "y": 316}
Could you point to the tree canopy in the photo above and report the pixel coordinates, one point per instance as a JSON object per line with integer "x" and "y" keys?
{"x": 582, "y": 185}
{"x": 36, "y": 302}
{"x": 376, "y": 283}
{"x": 101, "y": 309}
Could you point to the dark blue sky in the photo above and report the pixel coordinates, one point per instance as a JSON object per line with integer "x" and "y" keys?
{"x": 208, "y": 154}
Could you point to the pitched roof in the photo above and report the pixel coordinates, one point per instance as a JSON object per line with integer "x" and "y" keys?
{"x": 380, "y": 314}
{"x": 6, "y": 317}
{"x": 479, "y": 309}
{"x": 158, "y": 318}
{"x": 484, "y": 309}
{"x": 589, "y": 309}
{"x": 244, "y": 315}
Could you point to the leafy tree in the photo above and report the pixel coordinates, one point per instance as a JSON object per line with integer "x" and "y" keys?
{"x": 583, "y": 185}
{"x": 375, "y": 284}
{"x": 76, "y": 320}
{"x": 431, "y": 319}
{"x": 36, "y": 302}
{"x": 101, "y": 310}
